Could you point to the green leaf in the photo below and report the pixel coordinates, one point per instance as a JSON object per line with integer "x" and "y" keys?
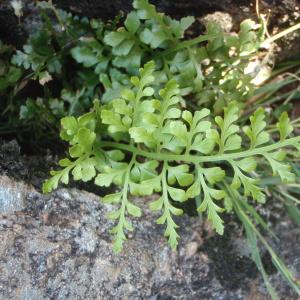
{"x": 214, "y": 174}
{"x": 121, "y": 107}
{"x": 144, "y": 171}
{"x": 157, "y": 204}
{"x": 208, "y": 205}
{"x": 86, "y": 138}
{"x": 154, "y": 183}
{"x": 181, "y": 175}
{"x": 279, "y": 168}
{"x": 114, "y": 38}
{"x": 84, "y": 170}
{"x": 154, "y": 39}
{"x": 52, "y": 183}
{"x": 255, "y": 131}
{"x": 213, "y": 210}
{"x": 112, "y": 198}
{"x": 140, "y": 135}
{"x": 114, "y": 120}
{"x": 228, "y": 139}
{"x": 132, "y": 22}
{"x": 133, "y": 210}
{"x": 249, "y": 185}
{"x": 179, "y": 130}
{"x": 167, "y": 218}
{"x": 111, "y": 175}
{"x": 65, "y": 162}
{"x": 115, "y": 155}
{"x": 247, "y": 164}
{"x": 204, "y": 146}
{"x": 84, "y": 55}
{"x": 187, "y": 116}
{"x": 177, "y": 194}
{"x": 194, "y": 190}
{"x": 185, "y": 23}
{"x": 70, "y": 126}
{"x": 124, "y": 45}
{"x": 284, "y": 126}
{"x": 140, "y": 189}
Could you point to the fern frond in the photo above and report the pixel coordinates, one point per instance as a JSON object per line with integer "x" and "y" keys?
{"x": 191, "y": 147}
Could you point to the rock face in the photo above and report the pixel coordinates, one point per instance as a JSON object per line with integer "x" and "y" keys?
{"x": 57, "y": 246}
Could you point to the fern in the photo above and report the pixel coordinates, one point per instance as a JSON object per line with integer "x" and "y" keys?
{"x": 174, "y": 152}
{"x": 169, "y": 121}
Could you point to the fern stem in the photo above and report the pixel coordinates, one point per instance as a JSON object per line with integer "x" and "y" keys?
{"x": 165, "y": 189}
{"x": 196, "y": 159}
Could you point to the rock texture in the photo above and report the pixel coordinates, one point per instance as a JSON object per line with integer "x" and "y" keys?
{"x": 58, "y": 247}
{"x": 11, "y": 195}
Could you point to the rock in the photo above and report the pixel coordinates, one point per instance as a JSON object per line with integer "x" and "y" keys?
{"x": 57, "y": 246}
{"x": 223, "y": 19}
{"x": 33, "y": 169}
{"x": 12, "y": 195}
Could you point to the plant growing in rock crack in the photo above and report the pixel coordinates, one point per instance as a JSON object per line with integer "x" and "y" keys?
{"x": 169, "y": 121}
{"x": 187, "y": 148}
{"x": 146, "y": 143}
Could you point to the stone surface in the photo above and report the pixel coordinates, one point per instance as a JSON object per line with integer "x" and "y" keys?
{"x": 12, "y": 195}
{"x": 57, "y": 246}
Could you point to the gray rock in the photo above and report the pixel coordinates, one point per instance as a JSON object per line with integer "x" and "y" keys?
{"x": 57, "y": 246}
{"x": 12, "y": 195}
{"x": 223, "y": 19}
